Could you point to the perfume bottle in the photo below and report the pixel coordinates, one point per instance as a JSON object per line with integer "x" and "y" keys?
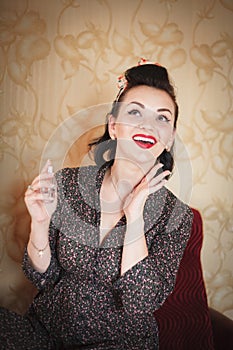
{"x": 49, "y": 192}
{"x": 52, "y": 188}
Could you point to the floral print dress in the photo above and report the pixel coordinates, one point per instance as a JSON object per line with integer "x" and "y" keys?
{"x": 83, "y": 302}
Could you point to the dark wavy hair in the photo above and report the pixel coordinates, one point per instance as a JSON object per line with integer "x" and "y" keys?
{"x": 104, "y": 148}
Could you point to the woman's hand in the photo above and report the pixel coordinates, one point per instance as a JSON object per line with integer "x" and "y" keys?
{"x": 41, "y": 196}
{"x": 134, "y": 203}
{"x": 135, "y": 245}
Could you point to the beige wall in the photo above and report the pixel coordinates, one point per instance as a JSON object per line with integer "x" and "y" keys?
{"x": 59, "y": 57}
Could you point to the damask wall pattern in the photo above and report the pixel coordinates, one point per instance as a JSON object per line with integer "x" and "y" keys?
{"x": 59, "y": 63}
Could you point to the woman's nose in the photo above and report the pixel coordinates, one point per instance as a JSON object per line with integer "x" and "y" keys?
{"x": 147, "y": 123}
{"x": 145, "y": 126}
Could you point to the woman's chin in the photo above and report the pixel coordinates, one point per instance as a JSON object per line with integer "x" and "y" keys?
{"x": 141, "y": 159}
{"x": 145, "y": 156}
{"x": 140, "y": 156}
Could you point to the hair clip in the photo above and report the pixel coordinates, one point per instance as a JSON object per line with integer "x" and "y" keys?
{"x": 122, "y": 82}
{"x": 143, "y": 61}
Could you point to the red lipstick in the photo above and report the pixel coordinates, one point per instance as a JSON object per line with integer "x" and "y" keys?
{"x": 144, "y": 141}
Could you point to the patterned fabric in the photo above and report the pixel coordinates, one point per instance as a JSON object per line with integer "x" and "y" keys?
{"x": 183, "y": 320}
{"x": 83, "y": 302}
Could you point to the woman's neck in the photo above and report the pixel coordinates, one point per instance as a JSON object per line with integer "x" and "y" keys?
{"x": 119, "y": 182}
{"x": 126, "y": 175}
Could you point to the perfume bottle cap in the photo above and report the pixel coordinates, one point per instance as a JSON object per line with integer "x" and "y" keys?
{"x": 50, "y": 169}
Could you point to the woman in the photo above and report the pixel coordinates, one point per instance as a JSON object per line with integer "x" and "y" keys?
{"x": 108, "y": 256}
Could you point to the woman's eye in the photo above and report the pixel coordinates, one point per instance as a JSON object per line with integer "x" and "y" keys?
{"x": 163, "y": 118}
{"x": 135, "y": 112}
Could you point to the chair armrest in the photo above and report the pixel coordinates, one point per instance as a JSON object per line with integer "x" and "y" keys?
{"x": 222, "y": 330}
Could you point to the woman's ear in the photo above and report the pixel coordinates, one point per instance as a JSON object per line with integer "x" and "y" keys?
{"x": 112, "y": 126}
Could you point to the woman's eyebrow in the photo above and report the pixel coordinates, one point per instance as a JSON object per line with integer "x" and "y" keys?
{"x": 143, "y": 106}
{"x": 164, "y": 110}
{"x": 137, "y": 103}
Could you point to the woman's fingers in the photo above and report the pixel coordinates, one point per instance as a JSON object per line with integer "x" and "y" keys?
{"x": 153, "y": 171}
{"x": 47, "y": 167}
{"x": 152, "y": 179}
{"x": 151, "y": 183}
{"x": 158, "y": 182}
{"x": 40, "y": 186}
{"x": 157, "y": 186}
{"x": 43, "y": 184}
{"x": 157, "y": 179}
{"x": 41, "y": 194}
{"x": 42, "y": 177}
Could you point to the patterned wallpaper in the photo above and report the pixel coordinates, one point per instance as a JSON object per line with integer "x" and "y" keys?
{"x": 59, "y": 63}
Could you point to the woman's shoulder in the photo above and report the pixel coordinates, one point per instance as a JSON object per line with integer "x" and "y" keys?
{"x": 173, "y": 210}
{"x": 166, "y": 198}
{"x": 76, "y": 171}
{"x": 67, "y": 177}
{"x": 172, "y": 197}
{"x": 178, "y": 209}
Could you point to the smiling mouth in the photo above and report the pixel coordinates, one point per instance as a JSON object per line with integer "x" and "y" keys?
{"x": 144, "y": 141}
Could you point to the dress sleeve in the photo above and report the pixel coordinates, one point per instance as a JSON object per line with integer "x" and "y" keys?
{"x": 145, "y": 286}
{"x": 40, "y": 280}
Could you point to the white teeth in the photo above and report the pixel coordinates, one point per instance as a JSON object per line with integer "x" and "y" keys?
{"x": 144, "y": 139}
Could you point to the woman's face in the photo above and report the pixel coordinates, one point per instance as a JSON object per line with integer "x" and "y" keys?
{"x": 144, "y": 126}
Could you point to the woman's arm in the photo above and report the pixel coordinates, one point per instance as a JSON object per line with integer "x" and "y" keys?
{"x": 40, "y": 262}
{"x": 52, "y": 272}
{"x": 40, "y": 206}
{"x": 38, "y": 247}
{"x": 135, "y": 247}
{"x": 146, "y": 285}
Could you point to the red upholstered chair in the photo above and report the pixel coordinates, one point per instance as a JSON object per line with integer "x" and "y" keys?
{"x": 184, "y": 319}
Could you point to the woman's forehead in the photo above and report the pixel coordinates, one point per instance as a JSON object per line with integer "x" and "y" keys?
{"x": 150, "y": 98}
